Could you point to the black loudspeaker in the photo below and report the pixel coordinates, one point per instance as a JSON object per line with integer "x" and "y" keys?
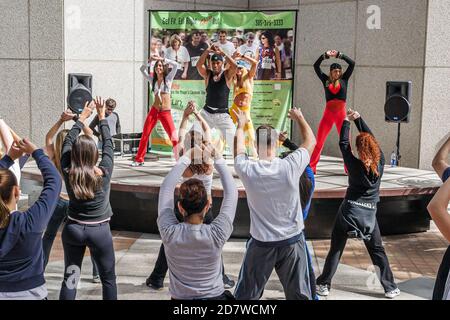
{"x": 80, "y": 91}
{"x": 397, "y": 106}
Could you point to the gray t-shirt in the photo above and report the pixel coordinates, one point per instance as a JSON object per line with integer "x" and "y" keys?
{"x": 194, "y": 252}
{"x": 273, "y": 194}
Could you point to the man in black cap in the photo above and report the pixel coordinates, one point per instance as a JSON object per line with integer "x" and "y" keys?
{"x": 218, "y": 82}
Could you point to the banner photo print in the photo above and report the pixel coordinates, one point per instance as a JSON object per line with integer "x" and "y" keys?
{"x": 266, "y": 38}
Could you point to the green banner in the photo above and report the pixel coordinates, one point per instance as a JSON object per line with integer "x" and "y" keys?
{"x": 271, "y": 98}
{"x": 221, "y": 20}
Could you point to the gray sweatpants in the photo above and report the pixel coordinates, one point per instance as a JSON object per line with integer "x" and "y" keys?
{"x": 290, "y": 263}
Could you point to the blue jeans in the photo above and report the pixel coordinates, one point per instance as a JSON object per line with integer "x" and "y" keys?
{"x": 58, "y": 217}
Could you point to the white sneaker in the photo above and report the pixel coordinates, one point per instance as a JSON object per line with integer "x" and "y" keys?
{"x": 136, "y": 164}
{"x": 392, "y": 294}
{"x": 322, "y": 290}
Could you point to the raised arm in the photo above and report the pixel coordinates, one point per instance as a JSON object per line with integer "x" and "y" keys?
{"x": 440, "y": 163}
{"x": 184, "y": 121}
{"x": 73, "y": 134}
{"x": 166, "y": 215}
{"x": 6, "y": 136}
{"x": 205, "y": 127}
{"x": 362, "y": 126}
{"x": 222, "y": 226}
{"x": 309, "y": 140}
{"x": 438, "y": 209}
{"x": 344, "y": 143}
{"x": 38, "y": 215}
{"x": 173, "y": 64}
{"x": 201, "y": 68}
{"x": 107, "y": 162}
{"x": 253, "y": 65}
{"x": 239, "y": 138}
{"x": 351, "y": 65}
{"x": 144, "y": 70}
{"x": 322, "y": 76}
{"x": 65, "y": 116}
{"x": 93, "y": 126}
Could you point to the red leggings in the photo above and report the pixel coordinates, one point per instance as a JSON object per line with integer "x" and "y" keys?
{"x": 334, "y": 113}
{"x": 150, "y": 122}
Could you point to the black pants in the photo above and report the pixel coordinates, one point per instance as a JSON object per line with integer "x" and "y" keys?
{"x": 376, "y": 252}
{"x": 160, "y": 270}
{"x": 97, "y": 237}
{"x": 290, "y": 263}
{"x": 442, "y": 276}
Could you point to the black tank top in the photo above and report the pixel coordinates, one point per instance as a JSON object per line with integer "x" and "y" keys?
{"x": 217, "y": 94}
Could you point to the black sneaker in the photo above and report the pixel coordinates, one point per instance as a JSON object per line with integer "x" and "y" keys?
{"x": 152, "y": 285}
{"x": 227, "y": 282}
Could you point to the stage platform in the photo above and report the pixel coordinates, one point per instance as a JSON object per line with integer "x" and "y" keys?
{"x": 405, "y": 193}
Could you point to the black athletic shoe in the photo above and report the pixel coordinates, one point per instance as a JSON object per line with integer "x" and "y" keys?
{"x": 227, "y": 282}
{"x": 152, "y": 285}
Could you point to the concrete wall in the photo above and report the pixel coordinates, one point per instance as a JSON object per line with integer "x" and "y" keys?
{"x": 435, "y": 124}
{"x": 31, "y": 65}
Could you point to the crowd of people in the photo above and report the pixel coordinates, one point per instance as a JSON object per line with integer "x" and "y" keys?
{"x": 272, "y": 50}
{"x": 76, "y": 190}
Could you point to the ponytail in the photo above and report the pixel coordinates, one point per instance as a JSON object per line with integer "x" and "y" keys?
{"x": 7, "y": 182}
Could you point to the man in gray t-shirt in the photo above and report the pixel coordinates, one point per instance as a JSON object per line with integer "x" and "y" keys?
{"x": 111, "y": 117}
{"x": 276, "y": 220}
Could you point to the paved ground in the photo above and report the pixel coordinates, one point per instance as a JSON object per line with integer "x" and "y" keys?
{"x": 414, "y": 259}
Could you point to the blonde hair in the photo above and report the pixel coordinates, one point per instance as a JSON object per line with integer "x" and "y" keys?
{"x": 57, "y": 149}
{"x": 7, "y": 183}
{"x": 175, "y": 37}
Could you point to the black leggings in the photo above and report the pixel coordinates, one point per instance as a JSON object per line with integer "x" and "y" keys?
{"x": 97, "y": 237}
{"x": 376, "y": 252}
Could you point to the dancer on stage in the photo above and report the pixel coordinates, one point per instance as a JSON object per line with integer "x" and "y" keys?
{"x": 196, "y": 136}
{"x": 356, "y": 217}
{"x": 442, "y": 168}
{"x": 335, "y": 85}
{"x": 243, "y": 93}
{"x": 161, "y": 108}
{"x": 218, "y": 82}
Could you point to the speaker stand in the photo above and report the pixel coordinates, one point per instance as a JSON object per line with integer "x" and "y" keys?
{"x": 398, "y": 144}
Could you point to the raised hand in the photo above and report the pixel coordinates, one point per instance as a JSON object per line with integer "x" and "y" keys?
{"x": 190, "y": 108}
{"x": 156, "y": 57}
{"x": 87, "y": 110}
{"x": 67, "y": 115}
{"x": 352, "y": 115}
{"x": 236, "y": 55}
{"x": 101, "y": 108}
{"x": 26, "y": 146}
{"x": 295, "y": 114}
{"x": 241, "y": 118}
{"x": 15, "y": 152}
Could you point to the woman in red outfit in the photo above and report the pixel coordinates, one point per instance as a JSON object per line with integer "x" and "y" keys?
{"x": 161, "y": 87}
{"x": 335, "y": 85}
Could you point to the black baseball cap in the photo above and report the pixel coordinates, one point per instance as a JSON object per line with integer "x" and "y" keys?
{"x": 216, "y": 57}
{"x": 335, "y": 66}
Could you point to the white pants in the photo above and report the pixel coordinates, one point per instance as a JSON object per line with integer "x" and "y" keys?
{"x": 222, "y": 122}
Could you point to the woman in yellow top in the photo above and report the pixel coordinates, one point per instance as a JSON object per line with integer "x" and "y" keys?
{"x": 243, "y": 93}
